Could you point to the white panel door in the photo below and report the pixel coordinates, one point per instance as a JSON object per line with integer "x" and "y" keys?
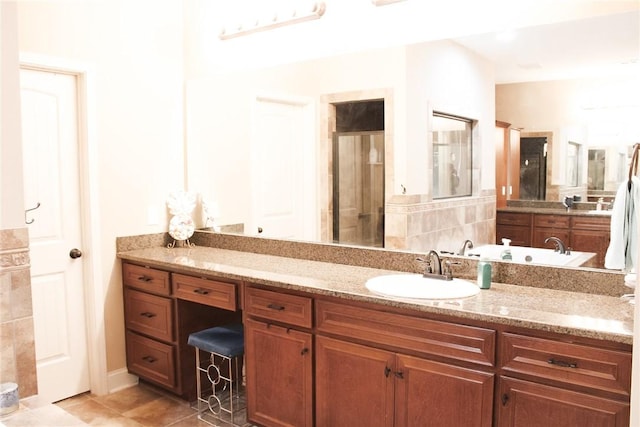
{"x": 282, "y": 190}
{"x": 51, "y": 178}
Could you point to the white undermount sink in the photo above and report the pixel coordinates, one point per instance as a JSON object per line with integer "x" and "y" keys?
{"x": 417, "y": 286}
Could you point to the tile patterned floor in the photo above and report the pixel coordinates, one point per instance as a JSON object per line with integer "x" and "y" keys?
{"x": 139, "y": 406}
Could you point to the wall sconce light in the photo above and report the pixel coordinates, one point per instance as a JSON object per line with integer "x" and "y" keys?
{"x": 384, "y": 2}
{"x": 314, "y": 11}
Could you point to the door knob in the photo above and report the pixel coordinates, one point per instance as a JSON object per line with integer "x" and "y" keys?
{"x": 75, "y": 253}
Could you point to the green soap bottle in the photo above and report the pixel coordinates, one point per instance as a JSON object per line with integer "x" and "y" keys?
{"x": 484, "y": 273}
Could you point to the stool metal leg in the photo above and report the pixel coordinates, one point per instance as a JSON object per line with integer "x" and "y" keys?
{"x": 224, "y": 402}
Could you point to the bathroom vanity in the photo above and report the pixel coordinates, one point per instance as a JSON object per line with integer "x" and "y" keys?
{"x": 580, "y": 230}
{"x": 322, "y": 350}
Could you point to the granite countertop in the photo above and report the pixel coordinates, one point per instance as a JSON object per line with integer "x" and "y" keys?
{"x": 555, "y": 211}
{"x": 579, "y": 314}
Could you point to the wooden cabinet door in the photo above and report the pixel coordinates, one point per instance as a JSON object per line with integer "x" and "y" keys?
{"x": 354, "y": 384}
{"x": 279, "y": 375}
{"x": 541, "y": 234}
{"x": 515, "y": 226}
{"x": 591, "y": 241}
{"x": 527, "y": 404}
{"x": 437, "y": 394}
{"x": 545, "y": 226}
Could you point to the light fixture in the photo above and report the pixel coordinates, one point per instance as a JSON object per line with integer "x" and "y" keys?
{"x": 314, "y": 11}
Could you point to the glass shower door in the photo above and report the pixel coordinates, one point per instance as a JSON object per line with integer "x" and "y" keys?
{"x": 358, "y": 188}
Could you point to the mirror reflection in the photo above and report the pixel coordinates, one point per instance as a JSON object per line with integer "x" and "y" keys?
{"x": 406, "y": 183}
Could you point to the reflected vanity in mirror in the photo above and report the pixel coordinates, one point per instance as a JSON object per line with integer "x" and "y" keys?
{"x": 302, "y": 99}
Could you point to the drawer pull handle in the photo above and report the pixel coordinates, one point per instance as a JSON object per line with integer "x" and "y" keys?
{"x": 145, "y": 278}
{"x": 387, "y": 371}
{"x": 149, "y": 359}
{"x": 201, "y": 291}
{"x": 399, "y": 374}
{"x": 276, "y": 307}
{"x": 304, "y": 351}
{"x": 562, "y": 363}
{"x": 148, "y": 315}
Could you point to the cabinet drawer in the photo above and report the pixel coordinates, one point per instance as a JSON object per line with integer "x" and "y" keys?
{"x": 291, "y": 309}
{"x": 567, "y": 363}
{"x": 519, "y": 235}
{"x": 554, "y": 221}
{"x": 430, "y": 337}
{"x": 512, "y": 218}
{"x": 145, "y": 278}
{"x": 205, "y": 291}
{"x": 151, "y": 359}
{"x": 149, "y": 314}
{"x": 591, "y": 223}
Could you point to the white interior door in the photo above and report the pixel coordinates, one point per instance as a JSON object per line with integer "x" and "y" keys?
{"x": 51, "y": 169}
{"x": 283, "y": 176}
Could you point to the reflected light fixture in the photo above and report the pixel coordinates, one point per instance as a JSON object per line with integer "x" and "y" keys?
{"x": 314, "y": 11}
{"x": 384, "y": 2}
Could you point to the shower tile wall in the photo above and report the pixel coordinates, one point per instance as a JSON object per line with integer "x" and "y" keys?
{"x": 17, "y": 344}
{"x": 416, "y": 223}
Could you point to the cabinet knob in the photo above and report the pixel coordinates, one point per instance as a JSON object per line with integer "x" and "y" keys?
{"x": 149, "y": 359}
{"x": 505, "y": 399}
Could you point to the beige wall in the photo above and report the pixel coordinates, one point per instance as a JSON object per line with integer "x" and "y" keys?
{"x": 133, "y": 51}
{"x": 596, "y": 112}
{"x": 11, "y": 213}
{"x": 17, "y": 345}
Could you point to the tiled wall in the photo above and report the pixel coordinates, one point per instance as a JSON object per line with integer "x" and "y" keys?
{"x": 418, "y": 224}
{"x": 17, "y": 345}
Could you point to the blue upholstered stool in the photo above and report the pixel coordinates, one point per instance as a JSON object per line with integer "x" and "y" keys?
{"x": 221, "y": 367}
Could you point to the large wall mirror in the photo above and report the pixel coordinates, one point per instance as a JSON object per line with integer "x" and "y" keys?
{"x": 292, "y": 107}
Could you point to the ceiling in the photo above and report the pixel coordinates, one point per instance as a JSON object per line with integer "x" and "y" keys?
{"x": 605, "y": 45}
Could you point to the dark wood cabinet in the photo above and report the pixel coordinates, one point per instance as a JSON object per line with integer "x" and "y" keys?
{"x": 579, "y": 232}
{"x": 279, "y": 358}
{"x": 161, "y": 310}
{"x": 428, "y": 390}
{"x": 354, "y": 384}
{"x": 528, "y": 404}
{"x": 319, "y": 360}
{"x": 367, "y": 384}
{"x": 564, "y": 384}
{"x": 545, "y": 226}
{"x": 515, "y": 227}
{"x": 591, "y": 234}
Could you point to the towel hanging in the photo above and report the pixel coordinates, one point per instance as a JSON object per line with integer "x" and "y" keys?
{"x": 633, "y": 166}
{"x": 623, "y": 244}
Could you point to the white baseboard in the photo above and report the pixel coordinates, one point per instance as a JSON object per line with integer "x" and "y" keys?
{"x": 120, "y": 379}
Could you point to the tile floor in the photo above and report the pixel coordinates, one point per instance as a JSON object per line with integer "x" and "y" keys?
{"x": 139, "y": 406}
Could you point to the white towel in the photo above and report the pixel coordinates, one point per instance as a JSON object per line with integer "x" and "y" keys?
{"x": 623, "y": 243}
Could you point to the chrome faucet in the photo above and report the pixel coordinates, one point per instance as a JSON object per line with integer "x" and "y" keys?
{"x": 467, "y": 244}
{"x": 434, "y": 264}
{"x": 559, "y": 245}
{"x": 436, "y": 268}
